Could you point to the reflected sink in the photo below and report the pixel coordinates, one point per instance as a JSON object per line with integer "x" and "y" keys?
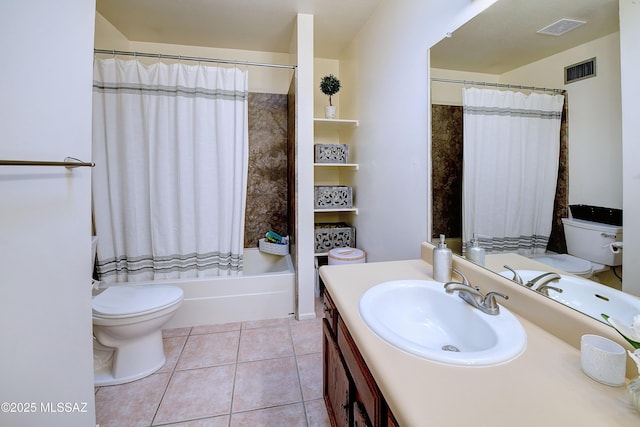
{"x": 587, "y": 296}
{"x": 419, "y": 317}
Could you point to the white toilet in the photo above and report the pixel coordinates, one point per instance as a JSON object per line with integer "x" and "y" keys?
{"x": 127, "y": 322}
{"x": 588, "y": 246}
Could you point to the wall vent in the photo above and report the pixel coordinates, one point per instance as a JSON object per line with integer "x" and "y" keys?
{"x": 561, "y": 27}
{"x": 580, "y": 71}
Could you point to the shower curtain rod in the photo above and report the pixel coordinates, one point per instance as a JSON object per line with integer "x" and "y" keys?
{"x": 189, "y": 58}
{"x": 504, "y": 85}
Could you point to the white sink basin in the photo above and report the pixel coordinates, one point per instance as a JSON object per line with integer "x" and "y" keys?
{"x": 587, "y": 296}
{"x": 419, "y": 317}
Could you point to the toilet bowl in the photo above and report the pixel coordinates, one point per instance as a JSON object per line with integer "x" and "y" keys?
{"x": 127, "y": 322}
{"x": 588, "y": 247}
{"x": 570, "y": 264}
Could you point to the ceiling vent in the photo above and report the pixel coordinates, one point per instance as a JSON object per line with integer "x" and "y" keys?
{"x": 580, "y": 71}
{"x": 561, "y": 27}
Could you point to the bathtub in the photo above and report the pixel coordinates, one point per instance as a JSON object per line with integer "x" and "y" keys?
{"x": 588, "y": 297}
{"x": 264, "y": 290}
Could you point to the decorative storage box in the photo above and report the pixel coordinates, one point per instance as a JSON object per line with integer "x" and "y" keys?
{"x": 334, "y": 235}
{"x": 331, "y": 153}
{"x": 333, "y": 197}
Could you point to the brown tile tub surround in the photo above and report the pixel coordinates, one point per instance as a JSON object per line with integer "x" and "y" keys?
{"x": 446, "y": 165}
{"x": 267, "y": 177}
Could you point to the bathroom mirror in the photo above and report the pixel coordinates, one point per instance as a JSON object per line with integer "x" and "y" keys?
{"x": 496, "y": 46}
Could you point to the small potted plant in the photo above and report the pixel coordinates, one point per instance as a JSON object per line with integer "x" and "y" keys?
{"x": 330, "y": 85}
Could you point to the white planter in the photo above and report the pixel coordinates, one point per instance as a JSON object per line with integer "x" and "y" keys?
{"x": 330, "y": 112}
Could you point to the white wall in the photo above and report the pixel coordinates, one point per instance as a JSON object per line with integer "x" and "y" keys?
{"x": 595, "y": 139}
{"x": 629, "y": 65}
{"x": 451, "y": 93}
{"x": 323, "y": 67}
{"x": 387, "y": 67}
{"x": 302, "y": 51}
{"x": 45, "y": 304}
{"x": 261, "y": 79}
{"x": 107, "y": 36}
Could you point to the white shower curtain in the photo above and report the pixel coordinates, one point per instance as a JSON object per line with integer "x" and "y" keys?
{"x": 510, "y": 168}
{"x": 170, "y": 145}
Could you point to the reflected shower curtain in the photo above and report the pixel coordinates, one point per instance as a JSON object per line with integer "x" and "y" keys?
{"x": 510, "y": 168}
{"x": 170, "y": 145}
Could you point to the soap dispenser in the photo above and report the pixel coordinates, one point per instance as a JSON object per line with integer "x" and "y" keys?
{"x": 476, "y": 253}
{"x": 442, "y": 262}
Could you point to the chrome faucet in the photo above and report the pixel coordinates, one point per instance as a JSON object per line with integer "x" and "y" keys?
{"x": 516, "y": 276}
{"x": 542, "y": 279}
{"x": 544, "y": 289}
{"x": 485, "y": 303}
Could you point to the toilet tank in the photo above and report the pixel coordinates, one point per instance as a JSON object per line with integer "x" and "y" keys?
{"x": 590, "y": 240}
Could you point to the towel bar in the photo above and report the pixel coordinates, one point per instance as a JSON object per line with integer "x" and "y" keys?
{"x": 69, "y": 163}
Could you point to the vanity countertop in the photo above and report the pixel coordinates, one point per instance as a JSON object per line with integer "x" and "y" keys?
{"x": 544, "y": 386}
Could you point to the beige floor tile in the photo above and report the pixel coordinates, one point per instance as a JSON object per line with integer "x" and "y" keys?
{"x": 172, "y": 349}
{"x": 132, "y": 404}
{"x": 252, "y": 324}
{"x": 222, "y": 421}
{"x": 307, "y": 336}
{"x": 209, "y": 350}
{"x": 279, "y": 416}
{"x": 319, "y": 307}
{"x": 316, "y": 413}
{"x": 266, "y": 383}
{"x": 248, "y": 366}
{"x": 197, "y": 393}
{"x": 265, "y": 343}
{"x": 310, "y": 371}
{"x": 175, "y": 332}
{"x": 210, "y": 329}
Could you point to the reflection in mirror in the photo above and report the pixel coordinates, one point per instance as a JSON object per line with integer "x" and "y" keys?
{"x": 501, "y": 45}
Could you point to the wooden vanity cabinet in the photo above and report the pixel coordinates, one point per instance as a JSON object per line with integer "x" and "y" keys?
{"x": 336, "y": 385}
{"x": 351, "y": 395}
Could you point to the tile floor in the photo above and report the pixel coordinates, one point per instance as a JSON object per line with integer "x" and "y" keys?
{"x": 262, "y": 373}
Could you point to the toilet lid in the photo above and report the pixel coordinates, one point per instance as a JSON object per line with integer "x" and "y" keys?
{"x": 568, "y": 263}
{"x": 130, "y": 299}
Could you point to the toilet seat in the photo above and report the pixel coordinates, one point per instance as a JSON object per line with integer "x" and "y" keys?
{"x": 128, "y": 300}
{"x": 568, "y": 263}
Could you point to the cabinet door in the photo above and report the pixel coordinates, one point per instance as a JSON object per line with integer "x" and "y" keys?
{"x": 366, "y": 392}
{"x": 360, "y": 416}
{"x": 330, "y": 312}
{"x": 335, "y": 381}
{"x": 391, "y": 420}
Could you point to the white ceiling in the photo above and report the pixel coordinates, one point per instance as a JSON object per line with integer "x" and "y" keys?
{"x": 499, "y": 39}
{"x": 262, "y": 25}
{"x": 504, "y": 37}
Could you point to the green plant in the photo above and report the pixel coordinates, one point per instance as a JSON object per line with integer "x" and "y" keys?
{"x": 330, "y": 85}
{"x": 629, "y": 333}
